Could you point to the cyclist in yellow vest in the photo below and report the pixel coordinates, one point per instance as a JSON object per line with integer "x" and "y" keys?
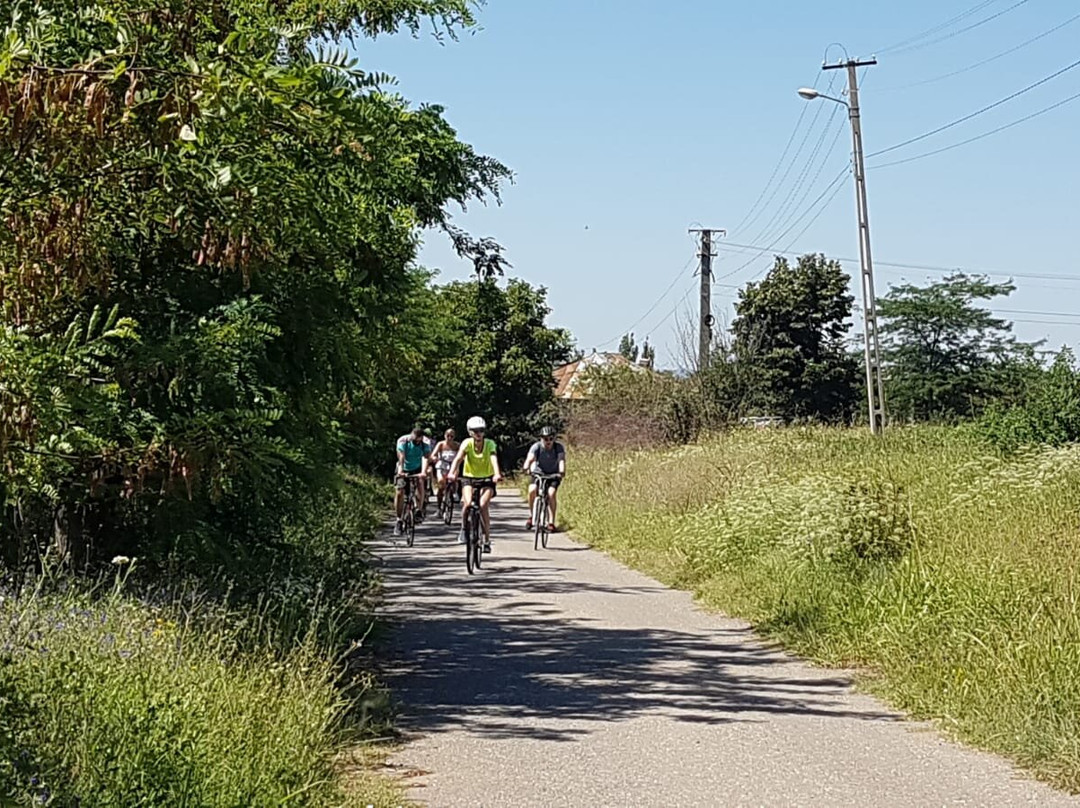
{"x": 480, "y": 473}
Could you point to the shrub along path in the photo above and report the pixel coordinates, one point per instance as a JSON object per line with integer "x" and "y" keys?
{"x": 560, "y": 677}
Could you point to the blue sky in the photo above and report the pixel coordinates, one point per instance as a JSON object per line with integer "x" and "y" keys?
{"x": 628, "y": 122}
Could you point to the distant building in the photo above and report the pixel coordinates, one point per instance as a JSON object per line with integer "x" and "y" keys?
{"x": 569, "y": 384}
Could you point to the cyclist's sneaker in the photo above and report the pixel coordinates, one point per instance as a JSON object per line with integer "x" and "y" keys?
{"x": 528, "y": 524}
{"x": 461, "y": 536}
{"x": 487, "y": 547}
{"x": 551, "y": 527}
{"x": 397, "y": 528}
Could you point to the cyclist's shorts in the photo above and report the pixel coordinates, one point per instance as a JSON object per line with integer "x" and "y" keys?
{"x": 553, "y": 482}
{"x": 480, "y": 483}
{"x": 401, "y": 482}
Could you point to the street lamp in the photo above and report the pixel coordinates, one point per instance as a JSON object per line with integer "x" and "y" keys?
{"x": 875, "y": 392}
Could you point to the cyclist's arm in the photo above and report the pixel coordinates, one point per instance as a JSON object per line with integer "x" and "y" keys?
{"x": 400, "y": 462}
{"x": 562, "y": 464}
{"x": 457, "y": 461}
{"x": 529, "y": 461}
{"x": 495, "y": 465}
{"x": 424, "y": 464}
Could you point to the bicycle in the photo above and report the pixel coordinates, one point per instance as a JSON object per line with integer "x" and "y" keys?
{"x": 408, "y": 519}
{"x": 541, "y": 509}
{"x": 475, "y": 535}
{"x": 451, "y": 496}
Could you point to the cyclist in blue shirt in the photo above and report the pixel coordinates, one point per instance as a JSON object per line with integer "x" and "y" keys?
{"x": 412, "y": 459}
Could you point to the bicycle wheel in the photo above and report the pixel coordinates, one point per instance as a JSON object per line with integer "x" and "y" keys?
{"x": 537, "y": 516}
{"x": 410, "y": 521}
{"x": 544, "y": 506}
{"x": 478, "y": 538}
{"x": 466, "y": 526}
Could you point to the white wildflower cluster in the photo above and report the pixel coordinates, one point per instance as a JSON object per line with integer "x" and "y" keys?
{"x": 815, "y": 516}
{"x": 991, "y": 481}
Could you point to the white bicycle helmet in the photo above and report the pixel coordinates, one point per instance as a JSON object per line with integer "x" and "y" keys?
{"x": 476, "y": 422}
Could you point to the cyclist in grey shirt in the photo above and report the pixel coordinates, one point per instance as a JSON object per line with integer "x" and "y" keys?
{"x": 547, "y": 456}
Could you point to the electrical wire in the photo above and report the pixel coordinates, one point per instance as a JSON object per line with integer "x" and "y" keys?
{"x": 791, "y": 164}
{"x": 958, "y": 32}
{"x": 795, "y": 204}
{"x": 940, "y": 27}
{"x": 780, "y": 162}
{"x": 981, "y": 62}
{"x": 833, "y": 186}
{"x": 978, "y": 112}
{"x": 652, "y": 308}
{"x": 984, "y": 135}
{"x": 925, "y": 267}
{"x": 671, "y": 313}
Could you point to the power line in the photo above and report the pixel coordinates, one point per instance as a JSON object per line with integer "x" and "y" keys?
{"x": 1038, "y": 313}
{"x": 984, "y": 135}
{"x": 926, "y": 267}
{"x": 656, "y": 303}
{"x": 762, "y": 250}
{"x": 959, "y": 31}
{"x": 780, "y": 162}
{"x": 940, "y": 27}
{"x": 674, "y": 309}
{"x": 981, "y": 62}
{"x": 793, "y": 203}
{"x": 794, "y": 160}
{"x": 969, "y": 116}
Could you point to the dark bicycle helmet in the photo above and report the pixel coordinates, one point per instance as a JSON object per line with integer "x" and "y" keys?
{"x": 547, "y": 432}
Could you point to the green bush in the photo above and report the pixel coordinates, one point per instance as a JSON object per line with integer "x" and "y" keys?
{"x": 1049, "y": 412}
{"x": 199, "y": 690}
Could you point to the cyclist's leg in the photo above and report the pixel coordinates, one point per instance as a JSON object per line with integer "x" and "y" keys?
{"x": 485, "y": 509}
{"x": 553, "y": 500}
{"x": 466, "y": 501}
{"x": 532, "y": 503}
{"x": 421, "y": 494}
{"x": 399, "y": 497}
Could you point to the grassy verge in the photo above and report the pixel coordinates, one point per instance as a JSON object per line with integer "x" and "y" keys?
{"x": 143, "y": 690}
{"x": 946, "y": 572}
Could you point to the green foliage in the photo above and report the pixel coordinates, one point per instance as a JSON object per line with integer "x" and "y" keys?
{"x": 630, "y": 407}
{"x": 211, "y": 216}
{"x": 789, "y": 333}
{"x": 496, "y": 354}
{"x": 166, "y": 690}
{"x": 945, "y": 357}
{"x": 628, "y": 347}
{"x": 1047, "y": 412}
{"x": 947, "y": 570}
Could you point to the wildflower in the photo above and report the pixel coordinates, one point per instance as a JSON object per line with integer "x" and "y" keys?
{"x": 125, "y": 653}
{"x": 121, "y": 560}
{"x": 34, "y": 781}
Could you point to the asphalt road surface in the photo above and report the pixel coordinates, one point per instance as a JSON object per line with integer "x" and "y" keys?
{"x": 561, "y": 678}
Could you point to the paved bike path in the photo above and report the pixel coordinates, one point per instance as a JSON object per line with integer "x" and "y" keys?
{"x": 561, "y": 678}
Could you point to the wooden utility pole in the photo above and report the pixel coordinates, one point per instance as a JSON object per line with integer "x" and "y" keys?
{"x": 705, "y": 323}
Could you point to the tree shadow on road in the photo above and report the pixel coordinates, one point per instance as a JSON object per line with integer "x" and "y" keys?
{"x": 493, "y": 654}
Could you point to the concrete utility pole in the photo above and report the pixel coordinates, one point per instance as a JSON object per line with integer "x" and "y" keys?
{"x": 705, "y": 323}
{"x": 875, "y": 391}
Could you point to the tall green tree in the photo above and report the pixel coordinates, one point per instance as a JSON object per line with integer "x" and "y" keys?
{"x": 945, "y": 356}
{"x": 210, "y": 214}
{"x": 789, "y": 334}
{"x": 495, "y": 359}
{"x": 628, "y": 347}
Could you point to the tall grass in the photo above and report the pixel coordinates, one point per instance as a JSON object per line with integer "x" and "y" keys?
{"x": 948, "y": 573}
{"x": 139, "y": 690}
